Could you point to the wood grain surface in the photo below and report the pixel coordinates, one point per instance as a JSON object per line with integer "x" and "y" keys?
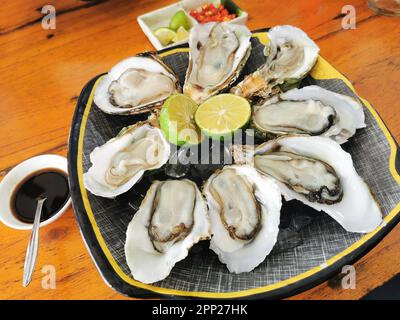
{"x": 43, "y": 71}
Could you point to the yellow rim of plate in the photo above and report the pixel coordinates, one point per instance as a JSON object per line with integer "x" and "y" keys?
{"x": 322, "y": 70}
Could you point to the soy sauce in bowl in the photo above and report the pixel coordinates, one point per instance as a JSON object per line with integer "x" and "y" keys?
{"x": 50, "y": 183}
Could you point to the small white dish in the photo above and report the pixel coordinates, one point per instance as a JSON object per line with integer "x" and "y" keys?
{"x": 153, "y": 20}
{"x": 18, "y": 174}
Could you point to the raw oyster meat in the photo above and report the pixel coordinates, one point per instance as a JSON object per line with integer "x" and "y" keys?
{"x": 120, "y": 162}
{"x": 218, "y": 52}
{"x": 319, "y": 173}
{"x": 311, "y": 110}
{"x": 290, "y": 56}
{"x": 171, "y": 219}
{"x": 244, "y": 209}
{"x": 136, "y": 85}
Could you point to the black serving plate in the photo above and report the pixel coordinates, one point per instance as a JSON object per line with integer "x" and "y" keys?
{"x": 311, "y": 246}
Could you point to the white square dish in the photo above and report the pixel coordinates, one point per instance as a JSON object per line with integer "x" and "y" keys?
{"x": 153, "y": 20}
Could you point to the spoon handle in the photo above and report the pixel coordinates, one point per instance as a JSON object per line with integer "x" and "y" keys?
{"x": 32, "y": 250}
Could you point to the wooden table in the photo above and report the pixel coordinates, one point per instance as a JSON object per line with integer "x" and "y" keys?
{"x": 43, "y": 71}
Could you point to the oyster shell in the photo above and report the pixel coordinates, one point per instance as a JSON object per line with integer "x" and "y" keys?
{"x": 244, "y": 209}
{"x": 311, "y": 110}
{"x": 136, "y": 85}
{"x": 119, "y": 163}
{"x": 290, "y": 56}
{"x": 319, "y": 173}
{"x": 171, "y": 219}
{"x": 218, "y": 52}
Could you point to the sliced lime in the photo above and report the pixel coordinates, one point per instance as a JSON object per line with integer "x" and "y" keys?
{"x": 177, "y": 120}
{"x": 165, "y": 35}
{"x": 181, "y": 35}
{"x": 179, "y": 19}
{"x": 222, "y": 115}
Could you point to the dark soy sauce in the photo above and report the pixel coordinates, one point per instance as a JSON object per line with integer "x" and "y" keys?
{"x": 50, "y": 183}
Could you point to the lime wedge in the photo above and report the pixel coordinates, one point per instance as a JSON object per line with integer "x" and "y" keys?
{"x": 181, "y": 35}
{"x": 179, "y": 19}
{"x": 222, "y": 115}
{"x": 165, "y": 35}
{"x": 177, "y": 120}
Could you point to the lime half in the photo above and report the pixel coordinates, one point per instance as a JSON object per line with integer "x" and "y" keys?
{"x": 179, "y": 19}
{"x": 177, "y": 120}
{"x": 165, "y": 35}
{"x": 222, "y": 115}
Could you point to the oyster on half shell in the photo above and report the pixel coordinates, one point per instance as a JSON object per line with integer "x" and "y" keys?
{"x": 244, "y": 209}
{"x": 218, "y": 52}
{"x": 136, "y": 85}
{"x": 319, "y": 173}
{"x": 311, "y": 110}
{"x": 119, "y": 163}
{"x": 171, "y": 219}
{"x": 290, "y": 56}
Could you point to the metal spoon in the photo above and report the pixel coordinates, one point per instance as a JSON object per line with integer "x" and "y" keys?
{"x": 32, "y": 250}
